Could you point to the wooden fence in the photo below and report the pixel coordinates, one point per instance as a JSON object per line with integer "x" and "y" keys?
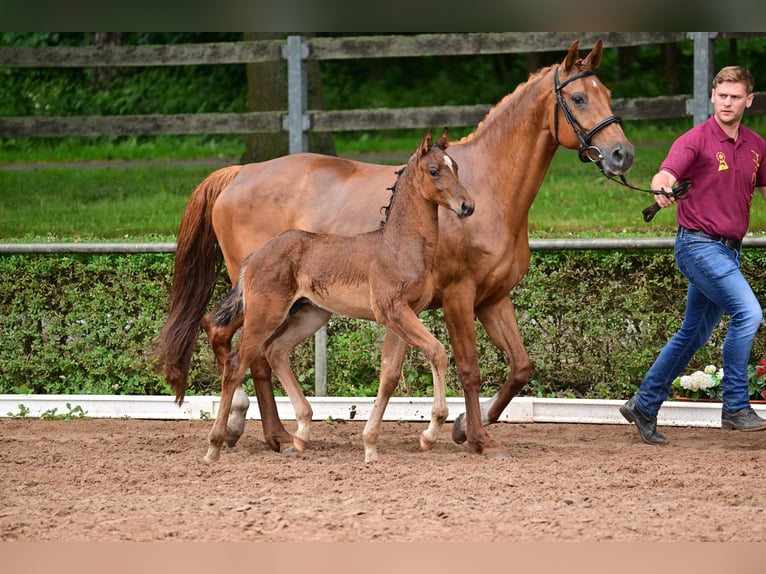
{"x": 297, "y": 117}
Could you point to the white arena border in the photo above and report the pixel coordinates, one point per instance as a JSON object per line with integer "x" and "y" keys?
{"x": 521, "y": 409}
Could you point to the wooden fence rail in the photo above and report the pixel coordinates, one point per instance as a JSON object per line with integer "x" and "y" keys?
{"x": 318, "y": 49}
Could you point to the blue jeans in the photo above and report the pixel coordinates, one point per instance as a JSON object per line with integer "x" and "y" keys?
{"x": 716, "y": 286}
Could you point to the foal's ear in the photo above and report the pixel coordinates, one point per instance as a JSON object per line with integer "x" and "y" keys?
{"x": 574, "y": 53}
{"x": 593, "y": 60}
{"x": 427, "y": 142}
{"x": 443, "y": 141}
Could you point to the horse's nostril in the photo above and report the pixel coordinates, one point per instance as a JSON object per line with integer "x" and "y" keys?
{"x": 467, "y": 209}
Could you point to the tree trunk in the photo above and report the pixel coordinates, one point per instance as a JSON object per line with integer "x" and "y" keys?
{"x": 267, "y": 91}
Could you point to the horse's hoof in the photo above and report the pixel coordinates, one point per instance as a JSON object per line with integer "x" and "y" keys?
{"x": 299, "y": 444}
{"x": 458, "y": 429}
{"x": 290, "y": 451}
{"x": 426, "y": 443}
{"x": 370, "y": 457}
{"x": 212, "y": 456}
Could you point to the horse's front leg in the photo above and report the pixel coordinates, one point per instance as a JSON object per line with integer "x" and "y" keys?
{"x": 391, "y": 359}
{"x": 412, "y": 330}
{"x": 459, "y": 317}
{"x": 499, "y": 320}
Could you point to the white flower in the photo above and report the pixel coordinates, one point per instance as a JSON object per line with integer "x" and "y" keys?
{"x": 710, "y": 370}
{"x": 698, "y": 381}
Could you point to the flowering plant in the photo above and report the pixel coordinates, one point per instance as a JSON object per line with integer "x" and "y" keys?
{"x": 700, "y": 384}
{"x": 756, "y": 380}
{"x": 706, "y": 384}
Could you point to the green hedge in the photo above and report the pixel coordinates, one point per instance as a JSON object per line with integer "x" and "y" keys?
{"x": 592, "y": 322}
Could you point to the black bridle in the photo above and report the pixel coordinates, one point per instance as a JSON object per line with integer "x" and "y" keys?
{"x": 585, "y": 136}
{"x": 591, "y": 153}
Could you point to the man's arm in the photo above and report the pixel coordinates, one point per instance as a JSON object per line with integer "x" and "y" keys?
{"x": 664, "y": 180}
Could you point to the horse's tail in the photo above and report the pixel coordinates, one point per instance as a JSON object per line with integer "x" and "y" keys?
{"x": 194, "y": 278}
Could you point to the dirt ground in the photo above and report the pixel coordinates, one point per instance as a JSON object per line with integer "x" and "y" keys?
{"x": 139, "y": 480}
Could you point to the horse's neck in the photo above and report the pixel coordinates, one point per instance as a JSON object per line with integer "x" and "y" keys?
{"x": 412, "y": 221}
{"x": 508, "y": 155}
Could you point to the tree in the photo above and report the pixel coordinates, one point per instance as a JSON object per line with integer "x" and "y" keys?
{"x": 267, "y": 91}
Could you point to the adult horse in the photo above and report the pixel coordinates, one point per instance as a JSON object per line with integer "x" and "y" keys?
{"x": 384, "y": 275}
{"x": 478, "y": 262}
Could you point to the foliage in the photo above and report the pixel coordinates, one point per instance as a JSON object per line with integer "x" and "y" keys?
{"x": 592, "y": 322}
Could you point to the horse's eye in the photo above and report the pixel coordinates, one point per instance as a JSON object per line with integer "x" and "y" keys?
{"x": 578, "y": 99}
{"x": 434, "y": 172}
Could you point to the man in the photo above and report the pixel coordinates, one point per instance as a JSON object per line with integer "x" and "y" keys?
{"x": 724, "y": 162}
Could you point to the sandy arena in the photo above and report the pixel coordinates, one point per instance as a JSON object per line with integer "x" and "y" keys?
{"x": 139, "y": 480}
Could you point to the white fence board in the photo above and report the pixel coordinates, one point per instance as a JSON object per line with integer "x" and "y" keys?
{"x": 418, "y": 409}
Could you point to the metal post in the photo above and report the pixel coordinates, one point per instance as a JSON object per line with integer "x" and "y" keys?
{"x": 700, "y": 105}
{"x": 297, "y": 124}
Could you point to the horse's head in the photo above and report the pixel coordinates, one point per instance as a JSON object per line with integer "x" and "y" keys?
{"x": 439, "y": 178}
{"x": 582, "y": 117}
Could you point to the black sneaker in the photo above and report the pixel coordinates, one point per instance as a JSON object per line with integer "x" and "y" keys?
{"x": 744, "y": 419}
{"x": 647, "y": 424}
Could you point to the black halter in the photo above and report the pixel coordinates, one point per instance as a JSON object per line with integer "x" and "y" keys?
{"x": 586, "y": 148}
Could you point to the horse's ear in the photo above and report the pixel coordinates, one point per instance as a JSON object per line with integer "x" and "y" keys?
{"x": 574, "y": 53}
{"x": 593, "y": 60}
{"x": 443, "y": 141}
{"x": 427, "y": 142}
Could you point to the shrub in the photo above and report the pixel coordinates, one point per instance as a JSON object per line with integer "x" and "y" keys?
{"x": 592, "y": 323}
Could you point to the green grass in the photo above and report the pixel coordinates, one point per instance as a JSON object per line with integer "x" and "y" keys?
{"x": 92, "y": 203}
{"x": 148, "y": 200}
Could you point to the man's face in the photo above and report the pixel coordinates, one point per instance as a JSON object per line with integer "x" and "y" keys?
{"x": 730, "y": 99}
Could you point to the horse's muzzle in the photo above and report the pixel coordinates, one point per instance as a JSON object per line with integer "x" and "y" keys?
{"x": 466, "y": 209}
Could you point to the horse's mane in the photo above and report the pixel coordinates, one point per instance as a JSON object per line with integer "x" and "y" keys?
{"x": 386, "y": 209}
{"x": 533, "y": 77}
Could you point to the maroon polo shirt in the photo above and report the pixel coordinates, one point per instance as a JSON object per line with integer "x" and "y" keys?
{"x": 724, "y": 174}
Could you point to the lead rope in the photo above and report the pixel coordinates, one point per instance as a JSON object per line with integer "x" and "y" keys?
{"x": 680, "y": 191}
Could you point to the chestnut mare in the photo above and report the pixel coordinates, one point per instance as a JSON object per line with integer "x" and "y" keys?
{"x": 383, "y": 275}
{"x": 478, "y": 261}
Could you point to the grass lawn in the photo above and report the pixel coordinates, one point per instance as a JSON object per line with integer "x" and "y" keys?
{"x": 143, "y": 201}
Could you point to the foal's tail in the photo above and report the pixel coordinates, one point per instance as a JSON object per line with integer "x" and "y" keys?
{"x": 194, "y": 278}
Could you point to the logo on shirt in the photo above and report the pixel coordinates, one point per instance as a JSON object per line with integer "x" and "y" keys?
{"x": 757, "y": 162}
{"x": 722, "y": 165}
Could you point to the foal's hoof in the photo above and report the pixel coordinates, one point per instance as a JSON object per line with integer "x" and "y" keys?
{"x": 213, "y": 454}
{"x": 425, "y": 442}
{"x": 458, "y": 429}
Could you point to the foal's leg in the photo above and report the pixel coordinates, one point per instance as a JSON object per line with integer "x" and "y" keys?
{"x": 296, "y": 329}
{"x": 409, "y": 328}
{"x": 499, "y": 320}
{"x": 392, "y": 357}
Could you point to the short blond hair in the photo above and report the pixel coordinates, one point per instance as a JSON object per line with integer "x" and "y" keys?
{"x": 735, "y": 74}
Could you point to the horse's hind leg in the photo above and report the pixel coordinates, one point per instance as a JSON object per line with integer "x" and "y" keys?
{"x": 296, "y": 329}
{"x": 392, "y": 356}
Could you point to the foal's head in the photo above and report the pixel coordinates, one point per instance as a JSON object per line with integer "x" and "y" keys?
{"x": 436, "y": 176}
